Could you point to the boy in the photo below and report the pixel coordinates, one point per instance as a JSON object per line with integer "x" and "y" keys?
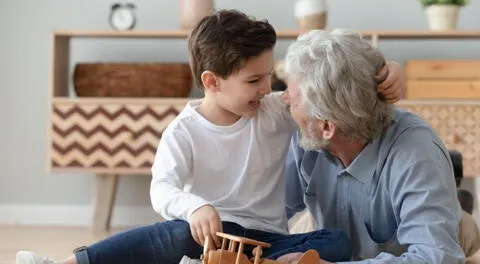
{"x": 219, "y": 165}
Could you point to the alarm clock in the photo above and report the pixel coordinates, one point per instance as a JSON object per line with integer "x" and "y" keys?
{"x": 122, "y": 16}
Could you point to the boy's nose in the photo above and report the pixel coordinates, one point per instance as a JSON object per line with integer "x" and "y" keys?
{"x": 266, "y": 88}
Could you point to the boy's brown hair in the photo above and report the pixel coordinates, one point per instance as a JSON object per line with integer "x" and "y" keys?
{"x": 224, "y": 41}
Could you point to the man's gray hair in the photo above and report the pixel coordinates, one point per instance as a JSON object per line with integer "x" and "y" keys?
{"x": 337, "y": 73}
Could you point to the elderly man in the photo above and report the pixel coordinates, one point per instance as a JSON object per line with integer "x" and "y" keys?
{"x": 358, "y": 164}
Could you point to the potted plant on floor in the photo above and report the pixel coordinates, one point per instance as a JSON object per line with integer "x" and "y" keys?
{"x": 443, "y": 14}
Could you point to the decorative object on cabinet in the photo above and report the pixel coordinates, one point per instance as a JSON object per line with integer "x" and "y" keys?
{"x": 132, "y": 79}
{"x": 109, "y": 137}
{"x": 122, "y": 16}
{"x": 192, "y": 11}
{"x": 443, "y": 79}
{"x": 443, "y": 14}
{"x": 311, "y": 14}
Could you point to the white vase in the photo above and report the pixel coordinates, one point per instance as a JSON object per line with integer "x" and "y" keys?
{"x": 192, "y": 11}
{"x": 311, "y": 14}
{"x": 442, "y": 17}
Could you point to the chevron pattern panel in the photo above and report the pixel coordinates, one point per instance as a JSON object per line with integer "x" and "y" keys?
{"x": 121, "y": 137}
{"x": 459, "y": 127}
{"x": 107, "y": 136}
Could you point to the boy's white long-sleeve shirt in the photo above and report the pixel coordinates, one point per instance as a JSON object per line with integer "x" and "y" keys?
{"x": 238, "y": 169}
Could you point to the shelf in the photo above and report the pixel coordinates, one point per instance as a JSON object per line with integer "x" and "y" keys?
{"x": 179, "y": 34}
{"x": 426, "y": 34}
{"x": 281, "y": 34}
{"x": 122, "y": 34}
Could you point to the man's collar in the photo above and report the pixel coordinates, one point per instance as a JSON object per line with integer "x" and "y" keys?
{"x": 364, "y": 165}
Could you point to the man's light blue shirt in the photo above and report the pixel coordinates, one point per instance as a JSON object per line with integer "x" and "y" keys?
{"x": 396, "y": 201}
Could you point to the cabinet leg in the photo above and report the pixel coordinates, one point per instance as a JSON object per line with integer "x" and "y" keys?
{"x": 105, "y": 194}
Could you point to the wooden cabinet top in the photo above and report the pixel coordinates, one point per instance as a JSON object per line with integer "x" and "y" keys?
{"x": 282, "y": 34}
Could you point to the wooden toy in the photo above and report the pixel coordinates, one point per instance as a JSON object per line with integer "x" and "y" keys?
{"x": 232, "y": 255}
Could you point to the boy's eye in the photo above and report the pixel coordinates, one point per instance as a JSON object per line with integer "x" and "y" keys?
{"x": 253, "y": 81}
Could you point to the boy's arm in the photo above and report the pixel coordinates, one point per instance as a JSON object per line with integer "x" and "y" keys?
{"x": 171, "y": 170}
{"x": 294, "y": 186}
{"x": 391, "y": 82}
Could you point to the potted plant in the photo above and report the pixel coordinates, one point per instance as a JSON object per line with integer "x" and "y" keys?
{"x": 443, "y": 14}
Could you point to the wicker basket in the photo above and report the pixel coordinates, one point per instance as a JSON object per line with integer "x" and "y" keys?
{"x": 132, "y": 79}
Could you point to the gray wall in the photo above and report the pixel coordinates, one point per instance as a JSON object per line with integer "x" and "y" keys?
{"x": 25, "y": 69}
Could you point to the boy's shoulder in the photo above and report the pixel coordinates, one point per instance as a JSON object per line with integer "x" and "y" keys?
{"x": 185, "y": 119}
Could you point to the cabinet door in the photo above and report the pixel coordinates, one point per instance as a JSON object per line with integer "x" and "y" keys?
{"x": 459, "y": 127}
{"x": 107, "y": 137}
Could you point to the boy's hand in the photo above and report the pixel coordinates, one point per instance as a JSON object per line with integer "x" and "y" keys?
{"x": 205, "y": 222}
{"x": 391, "y": 79}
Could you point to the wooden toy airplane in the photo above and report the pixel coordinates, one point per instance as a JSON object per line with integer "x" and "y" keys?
{"x": 231, "y": 256}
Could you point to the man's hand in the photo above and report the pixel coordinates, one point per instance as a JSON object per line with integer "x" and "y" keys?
{"x": 391, "y": 82}
{"x": 205, "y": 222}
{"x": 293, "y": 258}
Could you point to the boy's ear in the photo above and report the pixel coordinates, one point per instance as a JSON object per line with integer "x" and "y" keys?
{"x": 210, "y": 81}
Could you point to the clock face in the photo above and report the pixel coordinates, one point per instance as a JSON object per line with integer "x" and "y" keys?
{"x": 122, "y": 18}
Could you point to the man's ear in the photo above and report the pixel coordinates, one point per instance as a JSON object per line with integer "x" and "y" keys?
{"x": 210, "y": 81}
{"x": 328, "y": 129}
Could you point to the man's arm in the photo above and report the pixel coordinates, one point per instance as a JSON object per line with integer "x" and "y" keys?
{"x": 294, "y": 186}
{"x": 423, "y": 195}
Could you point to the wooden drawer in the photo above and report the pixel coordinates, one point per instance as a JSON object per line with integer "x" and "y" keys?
{"x": 108, "y": 136}
{"x": 443, "y": 89}
{"x": 457, "y": 123}
{"x": 443, "y": 79}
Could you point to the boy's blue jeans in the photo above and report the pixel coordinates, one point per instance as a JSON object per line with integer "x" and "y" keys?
{"x": 168, "y": 242}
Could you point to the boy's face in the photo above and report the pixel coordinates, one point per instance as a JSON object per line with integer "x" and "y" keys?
{"x": 241, "y": 92}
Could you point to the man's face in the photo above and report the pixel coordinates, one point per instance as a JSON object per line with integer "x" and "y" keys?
{"x": 310, "y": 129}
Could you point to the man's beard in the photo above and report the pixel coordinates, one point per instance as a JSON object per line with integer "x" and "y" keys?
{"x": 311, "y": 140}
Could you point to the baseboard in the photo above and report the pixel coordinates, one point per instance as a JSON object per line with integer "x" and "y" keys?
{"x": 73, "y": 215}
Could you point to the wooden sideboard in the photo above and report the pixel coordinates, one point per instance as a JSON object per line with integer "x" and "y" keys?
{"x": 109, "y": 137}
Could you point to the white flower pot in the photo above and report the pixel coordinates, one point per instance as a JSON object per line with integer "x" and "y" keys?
{"x": 442, "y": 17}
{"x": 192, "y": 11}
{"x": 311, "y": 14}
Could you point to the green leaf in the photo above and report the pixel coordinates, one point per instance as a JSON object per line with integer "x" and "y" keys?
{"x": 444, "y": 2}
